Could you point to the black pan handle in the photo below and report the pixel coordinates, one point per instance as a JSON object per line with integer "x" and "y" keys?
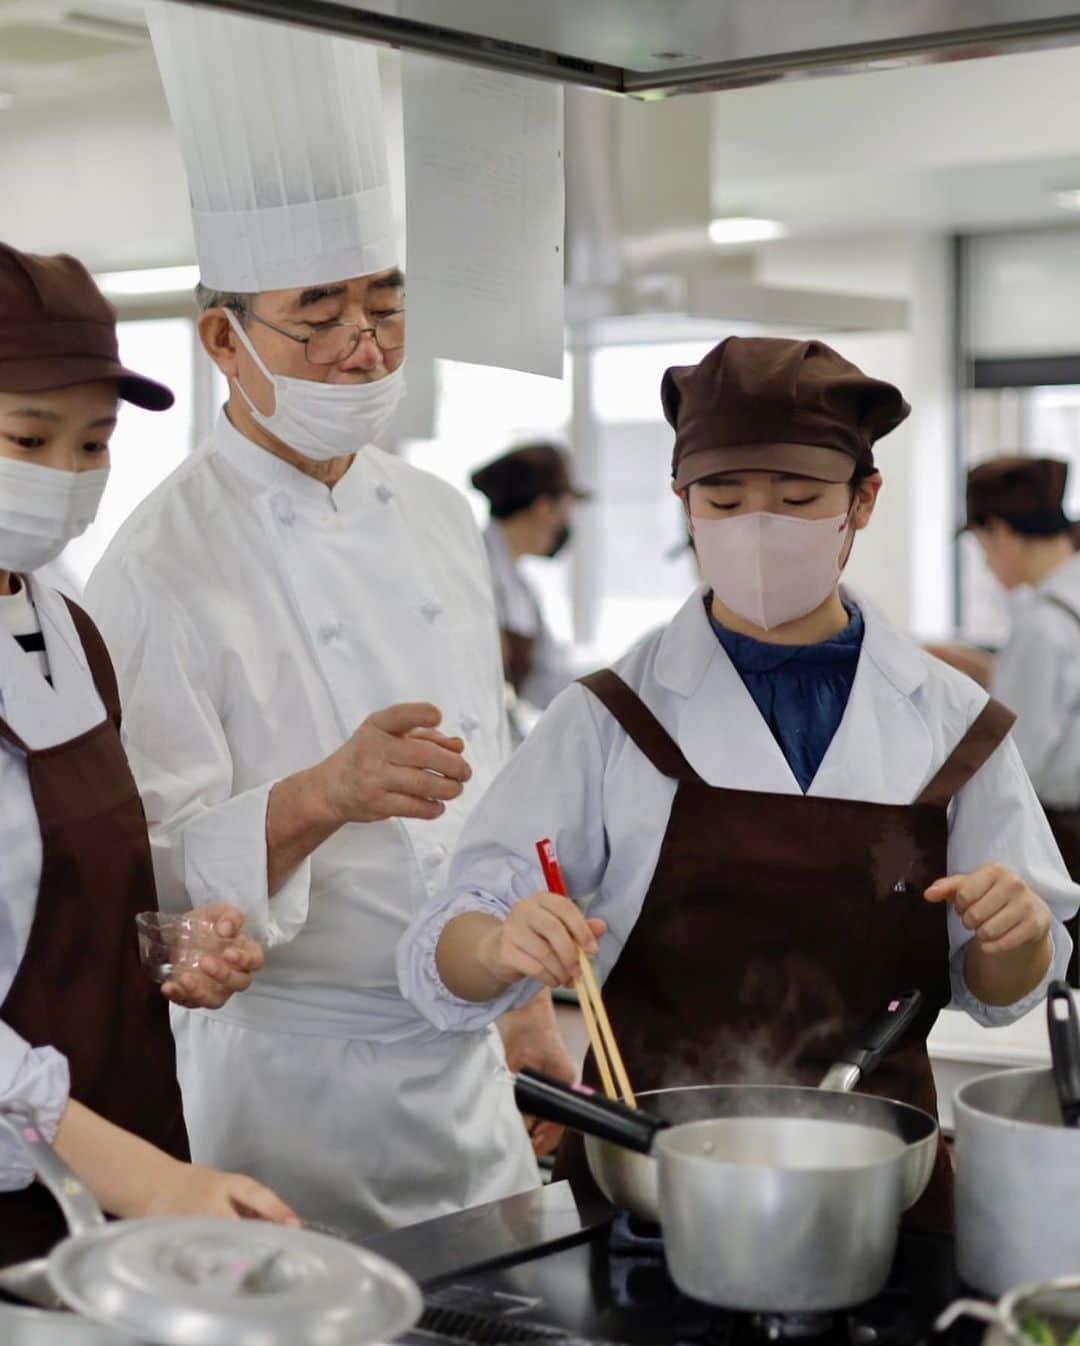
{"x": 581, "y": 1109}
{"x": 1064, "y": 1028}
{"x": 876, "y": 1038}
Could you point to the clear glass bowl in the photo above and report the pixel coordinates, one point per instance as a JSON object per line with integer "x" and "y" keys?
{"x": 171, "y": 944}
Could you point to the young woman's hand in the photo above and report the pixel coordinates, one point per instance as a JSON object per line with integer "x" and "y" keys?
{"x": 130, "y": 1177}
{"x": 191, "y": 1189}
{"x": 218, "y": 976}
{"x": 543, "y": 937}
{"x": 1011, "y": 949}
{"x": 997, "y": 906}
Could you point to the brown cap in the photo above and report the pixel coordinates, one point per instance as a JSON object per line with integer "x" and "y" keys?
{"x": 1027, "y": 493}
{"x": 57, "y": 329}
{"x": 777, "y": 405}
{"x": 513, "y": 481}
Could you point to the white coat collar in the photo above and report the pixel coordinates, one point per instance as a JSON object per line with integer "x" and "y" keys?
{"x": 274, "y": 475}
{"x": 45, "y": 715}
{"x": 881, "y": 751}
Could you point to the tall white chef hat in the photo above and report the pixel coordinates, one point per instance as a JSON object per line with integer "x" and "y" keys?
{"x": 282, "y": 135}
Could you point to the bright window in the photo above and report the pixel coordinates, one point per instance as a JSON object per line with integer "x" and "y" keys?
{"x": 146, "y": 445}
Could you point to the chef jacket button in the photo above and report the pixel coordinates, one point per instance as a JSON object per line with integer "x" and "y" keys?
{"x": 431, "y": 609}
{"x": 469, "y": 724}
{"x": 383, "y": 493}
{"x": 434, "y": 859}
{"x": 329, "y": 631}
{"x": 283, "y": 510}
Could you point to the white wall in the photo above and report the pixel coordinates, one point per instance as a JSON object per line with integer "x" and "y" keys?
{"x": 903, "y": 560}
{"x": 102, "y": 177}
{"x": 106, "y": 184}
{"x": 1024, "y": 288}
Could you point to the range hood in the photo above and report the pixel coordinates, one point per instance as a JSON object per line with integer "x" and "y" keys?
{"x": 652, "y": 48}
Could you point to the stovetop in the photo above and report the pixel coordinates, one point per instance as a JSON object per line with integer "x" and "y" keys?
{"x": 613, "y": 1286}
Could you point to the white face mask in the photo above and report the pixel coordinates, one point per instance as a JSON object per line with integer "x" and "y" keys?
{"x": 323, "y": 420}
{"x": 42, "y": 509}
{"x": 771, "y": 568}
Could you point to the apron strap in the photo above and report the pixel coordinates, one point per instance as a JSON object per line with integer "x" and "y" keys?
{"x": 97, "y": 656}
{"x": 985, "y": 733}
{"x": 641, "y": 725}
{"x": 1065, "y": 607}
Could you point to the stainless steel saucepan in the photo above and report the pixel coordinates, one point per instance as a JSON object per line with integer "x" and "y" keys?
{"x": 1018, "y": 1165}
{"x": 194, "y": 1281}
{"x": 784, "y": 1199}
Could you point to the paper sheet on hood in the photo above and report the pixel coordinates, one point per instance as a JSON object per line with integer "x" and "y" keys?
{"x": 484, "y": 190}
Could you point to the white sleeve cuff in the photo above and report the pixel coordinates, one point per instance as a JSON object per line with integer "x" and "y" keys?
{"x": 35, "y": 1077}
{"x": 420, "y": 983}
{"x": 997, "y": 1016}
{"x": 225, "y": 861}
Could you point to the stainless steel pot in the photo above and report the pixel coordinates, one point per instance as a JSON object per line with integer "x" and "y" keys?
{"x": 629, "y": 1180}
{"x": 782, "y": 1203}
{"x": 198, "y": 1281}
{"x": 1017, "y": 1180}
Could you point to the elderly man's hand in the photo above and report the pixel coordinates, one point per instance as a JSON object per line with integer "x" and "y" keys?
{"x": 219, "y": 975}
{"x": 396, "y": 765}
{"x": 531, "y": 1037}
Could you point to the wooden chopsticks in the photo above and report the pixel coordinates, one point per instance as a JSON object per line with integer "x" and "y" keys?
{"x": 605, "y": 1049}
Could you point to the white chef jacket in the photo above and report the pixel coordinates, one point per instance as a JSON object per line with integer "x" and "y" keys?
{"x": 580, "y": 780}
{"x": 1037, "y": 675}
{"x": 44, "y": 716}
{"x": 518, "y": 609}
{"x": 256, "y": 618}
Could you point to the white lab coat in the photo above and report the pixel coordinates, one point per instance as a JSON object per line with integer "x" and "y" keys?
{"x": 518, "y": 609}
{"x": 255, "y": 619}
{"x": 580, "y": 780}
{"x": 43, "y": 716}
{"x": 1037, "y": 675}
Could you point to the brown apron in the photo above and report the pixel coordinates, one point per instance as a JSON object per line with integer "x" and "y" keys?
{"x": 776, "y": 924}
{"x": 517, "y": 658}
{"x": 80, "y": 987}
{"x": 1065, "y": 825}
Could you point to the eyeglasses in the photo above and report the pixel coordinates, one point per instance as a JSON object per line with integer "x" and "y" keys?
{"x": 336, "y": 341}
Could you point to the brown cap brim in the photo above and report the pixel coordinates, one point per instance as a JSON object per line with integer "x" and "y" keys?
{"x": 43, "y": 374}
{"x": 800, "y": 460}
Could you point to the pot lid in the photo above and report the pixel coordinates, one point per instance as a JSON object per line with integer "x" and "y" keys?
{"x": 212, "y": 1282}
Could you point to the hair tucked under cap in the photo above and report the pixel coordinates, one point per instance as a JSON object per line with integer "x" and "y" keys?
{"x": 514, "y": 480}
{"x": 773, "y": 404}
{"x": 1027, "y": 493}
{"x": 57, "y": 330}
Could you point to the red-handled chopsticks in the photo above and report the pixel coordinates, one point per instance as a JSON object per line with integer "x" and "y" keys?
{"x": 605, "y": 1049}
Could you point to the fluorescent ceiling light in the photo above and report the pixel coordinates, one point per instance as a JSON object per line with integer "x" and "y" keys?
{"x": 1068, "y": 198}
{"x": 156, "y": 280}
{"x": 744, "y": 229}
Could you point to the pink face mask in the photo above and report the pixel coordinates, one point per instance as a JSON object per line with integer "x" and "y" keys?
{"x": 771, "y": 568}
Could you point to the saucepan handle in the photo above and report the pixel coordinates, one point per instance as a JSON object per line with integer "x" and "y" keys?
{"x": 81, "y": 1211}
{"x": 1064, "y": 1029}
{"x": 874, "y": 1040}
{"x": 581, "y": 1109}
